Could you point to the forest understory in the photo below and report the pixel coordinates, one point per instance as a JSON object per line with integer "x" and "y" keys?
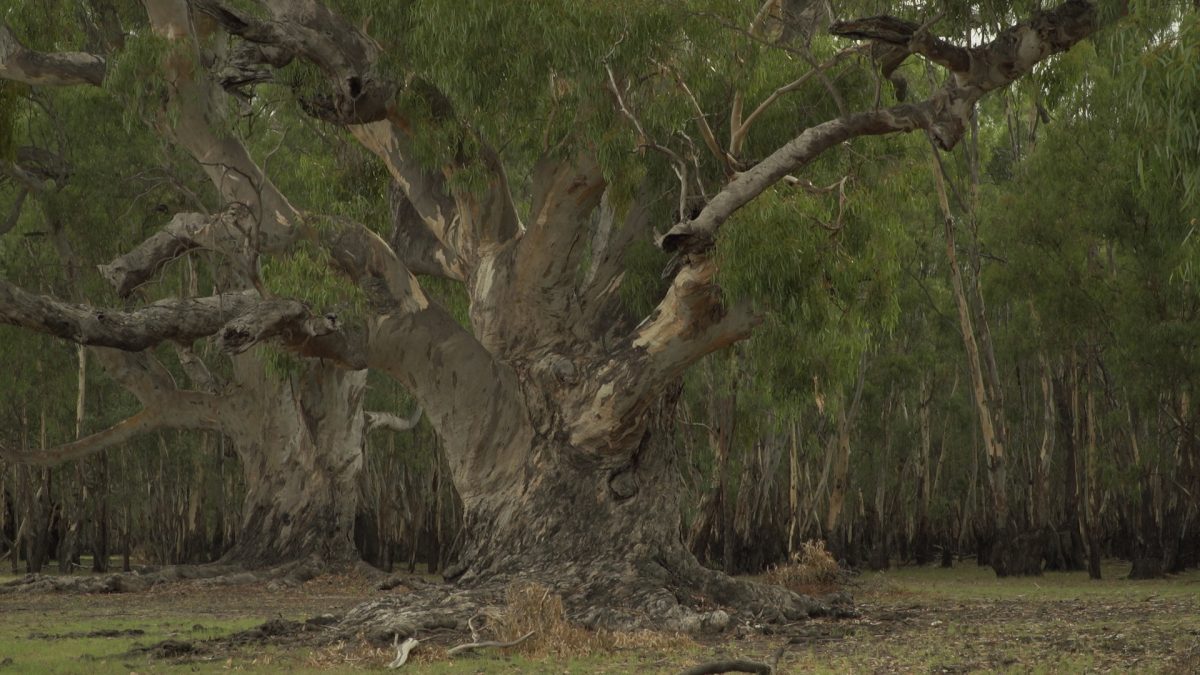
{"x": 913, "y": 619}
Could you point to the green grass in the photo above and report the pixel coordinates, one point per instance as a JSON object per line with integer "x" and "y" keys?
{"x": 31, "y": 653}
{"x": 970, "y": 581}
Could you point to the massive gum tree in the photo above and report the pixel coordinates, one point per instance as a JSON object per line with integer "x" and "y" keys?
{"x": 551, "y": 402}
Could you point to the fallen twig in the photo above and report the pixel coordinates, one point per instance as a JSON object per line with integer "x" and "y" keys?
{"x": 471, "y": 646}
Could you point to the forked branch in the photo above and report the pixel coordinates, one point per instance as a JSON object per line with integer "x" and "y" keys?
{"x": 945, "y": 115}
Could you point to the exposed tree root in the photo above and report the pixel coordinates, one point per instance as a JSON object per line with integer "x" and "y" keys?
{"x": 676, "y": 595}
{"x": 217, "y": 574}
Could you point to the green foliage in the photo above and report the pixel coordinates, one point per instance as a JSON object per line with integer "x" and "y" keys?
{"x": 134, "y": 77}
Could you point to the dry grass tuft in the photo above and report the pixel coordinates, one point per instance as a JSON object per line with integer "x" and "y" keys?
{"x": 535, "y": 608}
{"x": 812, "y": 570}
{"x": 344, "y": 655}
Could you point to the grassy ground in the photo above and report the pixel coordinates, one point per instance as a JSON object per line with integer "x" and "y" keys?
{"x": 913, "y": 620}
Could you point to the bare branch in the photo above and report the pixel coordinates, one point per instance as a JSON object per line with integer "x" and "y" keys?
{"x": 909, "y": 35}
{"x": 134, "y": 330}
{"x": 177, "y": 410}
{"x": 706, "y": 131}
{"x": 678, "y": 164}
{"x": 402, "y": 650}
{"x": 738, "y": 134}
{"x": 472, "y": 646}
{"x": 224, "y": 232}
{"x": 122, "y": 432}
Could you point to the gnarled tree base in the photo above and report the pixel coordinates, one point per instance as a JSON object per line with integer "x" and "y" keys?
{"x": 671, "y": 593}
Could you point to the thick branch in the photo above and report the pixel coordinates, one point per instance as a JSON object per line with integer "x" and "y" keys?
{"x": 228, "y": 232}
{"x": 56, "y": 69}
{"x": 906, "y": 34}
{"x": 614, "y": 235}
{"x": 134, "y": 330}
{"x": 367, "y": 259}
{"x": 531, "y": 295}
{"x": 139, "y": 372}
{"x": 362, "y": 100}
{"x": 737, "y": 136}
{"x": 417, "y": 245}
{"x": 272, "y": 223}
{"x": 945, "y": 115}
{"x": 124, "y": 431}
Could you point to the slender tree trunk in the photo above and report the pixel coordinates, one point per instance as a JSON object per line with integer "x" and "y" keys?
{"x": 993, "y": 442}
{"x": 840, "y": 479}
{"x": 922, "y": 539}
{"x": 1092, "y": 489}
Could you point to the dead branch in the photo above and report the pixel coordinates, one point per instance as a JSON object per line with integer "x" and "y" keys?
{"x": 472, "y": 646}
{"x": 402, "y": 650}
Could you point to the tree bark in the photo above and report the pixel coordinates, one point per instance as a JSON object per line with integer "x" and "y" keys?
{"x": 301, "y": 451}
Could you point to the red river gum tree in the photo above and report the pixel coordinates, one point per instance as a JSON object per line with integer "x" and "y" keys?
{"x": 552, "y": 405}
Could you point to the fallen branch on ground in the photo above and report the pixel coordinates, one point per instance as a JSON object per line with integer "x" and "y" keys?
{"x": 471, "y": 646}
{"x": 402, "y": 650}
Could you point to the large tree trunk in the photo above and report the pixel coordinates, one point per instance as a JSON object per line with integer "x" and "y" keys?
{"x": 301, "y": 457}
{"x": 605, "y": 536}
